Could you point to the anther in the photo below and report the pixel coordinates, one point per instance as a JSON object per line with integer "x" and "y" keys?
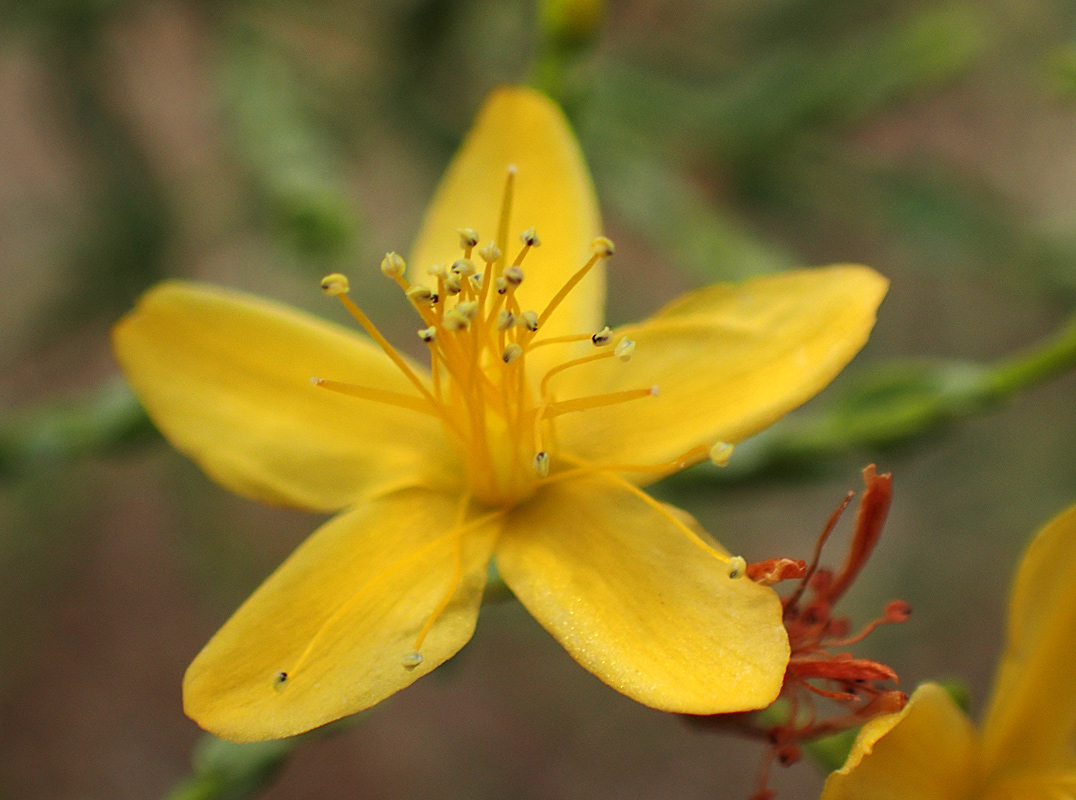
{"x": 279, "y": 680}
{"x": 624, "y": 349}
{"x": 468, "y": 237}
{"x": 334, "y": 284}
{"x": 468, "y": 309}
{"x": 528, "y": 320}
{"x": 514, "y": 275}
{"x": 436, "y": 271}
{"x": 428, "y": 335}
{"x": 505, "y": 319}
{"x": 420, "y": 294}
{"x": 455, "y": 321}
{"x": 393, "y": 265}
{"x": 476, "y": 281}
{"x": 737, "y": 567}
{"x": 501, "y": 285}
{"x": 530, "y": 238}
{"x": 490, "y": 253}
{"x": 541, "y": 463}
{"x": 720, "y": 454}
{"x": 602, "y": 337}
{"x": 463, "y": 267}
{"x": 411, "y": 660}
{"x": 602, "y": 247}
{"x": 452, "y": 284}
{"x": 511, "y": 353}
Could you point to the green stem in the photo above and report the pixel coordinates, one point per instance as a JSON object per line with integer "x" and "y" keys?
{"x": 100, "y": 422}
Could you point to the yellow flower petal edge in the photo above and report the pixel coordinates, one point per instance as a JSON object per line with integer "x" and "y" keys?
{"x": 333, "y": 630}
{"x": 524, "y": 130}
{"x": 726, "y": 361}
{"x": 639, "y": 600}
{"x": 226, "y": 378}
{"x": 928, "y": 751}
{"x": 1032, "y": 717}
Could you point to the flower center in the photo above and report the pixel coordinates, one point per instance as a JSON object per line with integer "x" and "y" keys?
{"x": 499, "y": 409}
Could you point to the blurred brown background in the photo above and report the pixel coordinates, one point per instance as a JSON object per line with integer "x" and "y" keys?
{"x": 262, "y": 144}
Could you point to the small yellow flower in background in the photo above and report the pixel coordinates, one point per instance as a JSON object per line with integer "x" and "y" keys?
{"x": 526, "y": 441}
{"x": 930, "y": 750}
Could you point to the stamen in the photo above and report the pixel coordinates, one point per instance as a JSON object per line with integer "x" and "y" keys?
{"x": 597, "y": 401}
{"x": 468, "y": 238}
{"x": 376, "y": 395}
{"x": 541, "y": 464}
{"x": 490, "y": 253}
{"x": 453, "y": 285}
{"x": 428, "y": 335}
{"x": 336, "y": 285}
{"x": 511, "y": 353}
{"x": 573, "y": 363}
{"x": 420, "y": 294}
{"x": 528, "y": 320}
{"x": 505, "y": 320}
{"x": 463, "y": 267}
{"x": 576, "y": 337}
{"x": 624, "y": 349}
{"x": 721, "y": 454}
{"x": 279, "y": 680}
{"x": 513, "y": 275}
{"x": 737, "y": 567}
{"x": 436, "y": 271}
{"x": 393, "y": 265}
{"x": 603, "y": 248}
{"x": 411, "y": 660}
{"x": 602, "y": 337}
{"x": 455, "y": 320}
{"x": 530, "y": 238}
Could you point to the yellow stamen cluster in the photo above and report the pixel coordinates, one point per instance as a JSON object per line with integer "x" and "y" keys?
{"x": 478, "y": 334}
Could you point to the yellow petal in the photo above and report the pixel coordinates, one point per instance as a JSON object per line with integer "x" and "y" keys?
{"x": 553, "y": 194}
{"x": 1050, "y": 785}
{"x": 1032, "y": 716}
{"x": 226, "y": 377}
{"x": 928, "y": 751}
{"x": 628, "y": 589}
{"x": 728, "y": 361}
{"x": 340, "y": 616}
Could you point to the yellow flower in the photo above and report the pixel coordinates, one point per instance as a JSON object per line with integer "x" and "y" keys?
{"x": 526, "y": 441}
{"x": 931, "y": 751}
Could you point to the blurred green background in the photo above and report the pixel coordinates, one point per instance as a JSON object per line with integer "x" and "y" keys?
{"x": 263, "y": 144}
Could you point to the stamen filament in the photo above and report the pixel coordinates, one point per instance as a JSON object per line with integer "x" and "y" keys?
{"x": 577, "y": 337}
{"x": 390, "y": 351}
{"x": 596, "y": 401}
{"x": 376, "y": 395}
{"x": 575, "y": 362}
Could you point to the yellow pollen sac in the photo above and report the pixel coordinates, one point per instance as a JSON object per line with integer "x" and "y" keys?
{"x": 737, "y": 567}
{"x": 428, "y": 335}
{"x": 468, "y": 238}
{"x": 530, "y": 238}
{"x": 528, "y": 320}
{"x": 603, "y": 247}
{"x": 511, "y": 353}
{"x": 335, "y": 284}
{"x": 420, "y": 294}
{"x": 463, "y": 267}
{"x": 721, "y": 454}
{"x": 490, "y": 253}
{"x": 624, "y": 349}
{"x": 602, "y": 337}
{"x": 513, "y": 275}
{"x": 393, "y": 265}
